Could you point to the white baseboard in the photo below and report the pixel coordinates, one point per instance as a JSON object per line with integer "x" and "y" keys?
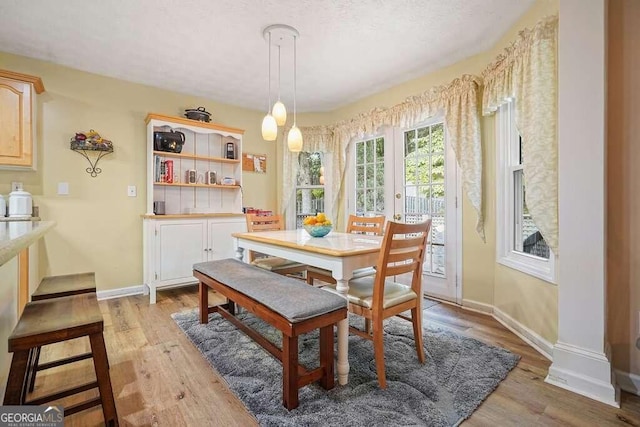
{"x": 628, "y": 382}
{"x": 532, "y": 338}
{"x": 478, "y": 307}
{"x": 584, "y": 372}
{"x": 120, "y": 292}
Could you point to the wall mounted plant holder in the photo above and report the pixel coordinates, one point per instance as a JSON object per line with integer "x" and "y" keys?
{"x": 92, "y": 147}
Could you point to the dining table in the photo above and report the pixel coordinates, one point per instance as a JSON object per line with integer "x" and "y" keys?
{"x": 339, "y": 253}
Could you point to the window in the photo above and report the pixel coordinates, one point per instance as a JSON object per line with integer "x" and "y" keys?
{"x": 369, "y": 188}
{"x": 310, "y": 188}
{"x": 519, "y": 243}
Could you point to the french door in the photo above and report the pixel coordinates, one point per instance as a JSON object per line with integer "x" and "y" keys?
{"x": 411, "y": 175}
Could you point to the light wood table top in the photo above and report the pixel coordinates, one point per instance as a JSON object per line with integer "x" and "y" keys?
{"x": 334, "y": 244}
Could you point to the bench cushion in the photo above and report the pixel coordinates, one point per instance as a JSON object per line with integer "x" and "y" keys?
{"x": 292, "y": 299}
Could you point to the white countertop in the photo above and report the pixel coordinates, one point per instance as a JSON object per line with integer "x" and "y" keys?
{"x": 17, "y": 235}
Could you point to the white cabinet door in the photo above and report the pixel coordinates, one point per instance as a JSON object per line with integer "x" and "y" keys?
{"x": 179, "y": 245}
{"x": 221, "y": 244}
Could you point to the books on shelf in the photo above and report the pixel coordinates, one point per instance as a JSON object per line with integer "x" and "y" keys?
{"x": 163, "y": 170}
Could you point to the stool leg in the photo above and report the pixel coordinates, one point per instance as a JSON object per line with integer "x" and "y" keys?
{"x": 326, "y": 357}
{"x": 16, "y": 383}
{"x": 33, "y": 368}
{"x": 101, "y": 365}
{"x": 290, "y": 372}
{"x": 30, "y": 358}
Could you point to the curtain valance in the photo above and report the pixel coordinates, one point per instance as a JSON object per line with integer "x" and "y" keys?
{"x": 457, "y": 101}
{"x": 526, "y": 72}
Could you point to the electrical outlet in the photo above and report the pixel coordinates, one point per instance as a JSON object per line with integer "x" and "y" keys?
{"x": 131, "y": 191}
{"x": 16, "y": 185}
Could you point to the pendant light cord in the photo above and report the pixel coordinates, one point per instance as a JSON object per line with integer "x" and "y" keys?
{"x": 269, "y": 96}
{"x": 279, "y": 73}
{"x": 294, "y": 79}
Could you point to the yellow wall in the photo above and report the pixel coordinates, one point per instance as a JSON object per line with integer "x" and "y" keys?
{"x": 99, "y": 228}
{"x": 623, "y": 187}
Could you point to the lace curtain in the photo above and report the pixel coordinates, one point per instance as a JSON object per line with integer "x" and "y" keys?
{"x": 316, "y": 139}
{"x": 458, "y": 101}
{"x": 526, "y": 72}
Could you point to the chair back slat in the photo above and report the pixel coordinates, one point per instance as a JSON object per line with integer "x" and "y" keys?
{"x": 402, "y": 251}
{"x": 263, "y": 223}
{"x": 406, "y": 242}
{"x": 402, "y": 256}
{"x": 394, "y": 270}
{"x": 366, "y": 224}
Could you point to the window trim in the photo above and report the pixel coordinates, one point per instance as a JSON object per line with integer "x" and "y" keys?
{"x": 541, "y": 268}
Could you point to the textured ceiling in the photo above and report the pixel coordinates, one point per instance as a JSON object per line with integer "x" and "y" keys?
{"x": 214, "y": 48}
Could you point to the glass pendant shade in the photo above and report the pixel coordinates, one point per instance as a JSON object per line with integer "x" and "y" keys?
{"x": 269, "y": 128}
{"x": 294, "y": 140}
{"x": 279, "y": 112}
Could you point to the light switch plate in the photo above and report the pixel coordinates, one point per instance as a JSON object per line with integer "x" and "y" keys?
{"x": 131, "y": 191}
{"x": 63, "y": 188}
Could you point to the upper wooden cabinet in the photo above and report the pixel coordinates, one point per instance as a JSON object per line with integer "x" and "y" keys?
{"x": 17, "y": 121}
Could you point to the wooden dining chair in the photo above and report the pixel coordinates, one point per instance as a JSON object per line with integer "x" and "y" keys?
{"x": 271, "y": 263}
{"x": 372, "y": 225}
{"x": 377, "y": 298}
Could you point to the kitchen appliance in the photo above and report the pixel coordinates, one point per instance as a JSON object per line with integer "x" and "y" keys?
{"x": 227, "y": 180}
{"x": 171, "y": 141}
{"x": 192, "y": 176}
{"x": 20, "y": 204}
{"x": 230, "y": 152}
{"x": 158, "y": 208}
{"x": 199, "y": 114}
{"x": 211, "y": 178}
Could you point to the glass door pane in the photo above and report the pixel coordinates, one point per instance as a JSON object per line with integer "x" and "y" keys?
{"x": 424, "y": 189}
{"x": 369, "y": 177}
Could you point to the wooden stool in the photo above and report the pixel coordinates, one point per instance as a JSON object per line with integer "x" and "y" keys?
{"x": 56, "y": 287}
{"x": 64, "y": 286}
{"x": 56, "y": 320}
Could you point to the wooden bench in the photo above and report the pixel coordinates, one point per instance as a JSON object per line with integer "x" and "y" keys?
{"x": 287, "y": 304}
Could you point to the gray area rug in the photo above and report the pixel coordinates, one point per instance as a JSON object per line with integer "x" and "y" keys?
{"x": 458, "y": 374}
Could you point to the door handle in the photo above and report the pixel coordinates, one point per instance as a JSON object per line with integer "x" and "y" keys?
{"x": 398, "y": 195}
{"x": 397, "y": 217}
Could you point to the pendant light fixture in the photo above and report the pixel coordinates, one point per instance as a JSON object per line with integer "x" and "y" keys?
{"x": 269, "y": 125}
{"x": 279, "y": 112}
{"x": 282, "y": 36}
{"x": 294, "y": 139}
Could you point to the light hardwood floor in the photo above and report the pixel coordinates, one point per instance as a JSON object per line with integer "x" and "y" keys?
{"x": 160, "y": 378}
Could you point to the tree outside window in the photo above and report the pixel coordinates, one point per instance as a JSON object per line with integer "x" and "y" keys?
{"x": 310, "y": 198}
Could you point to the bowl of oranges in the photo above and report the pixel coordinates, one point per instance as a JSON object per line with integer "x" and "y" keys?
{"x": 317, "y": 226}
